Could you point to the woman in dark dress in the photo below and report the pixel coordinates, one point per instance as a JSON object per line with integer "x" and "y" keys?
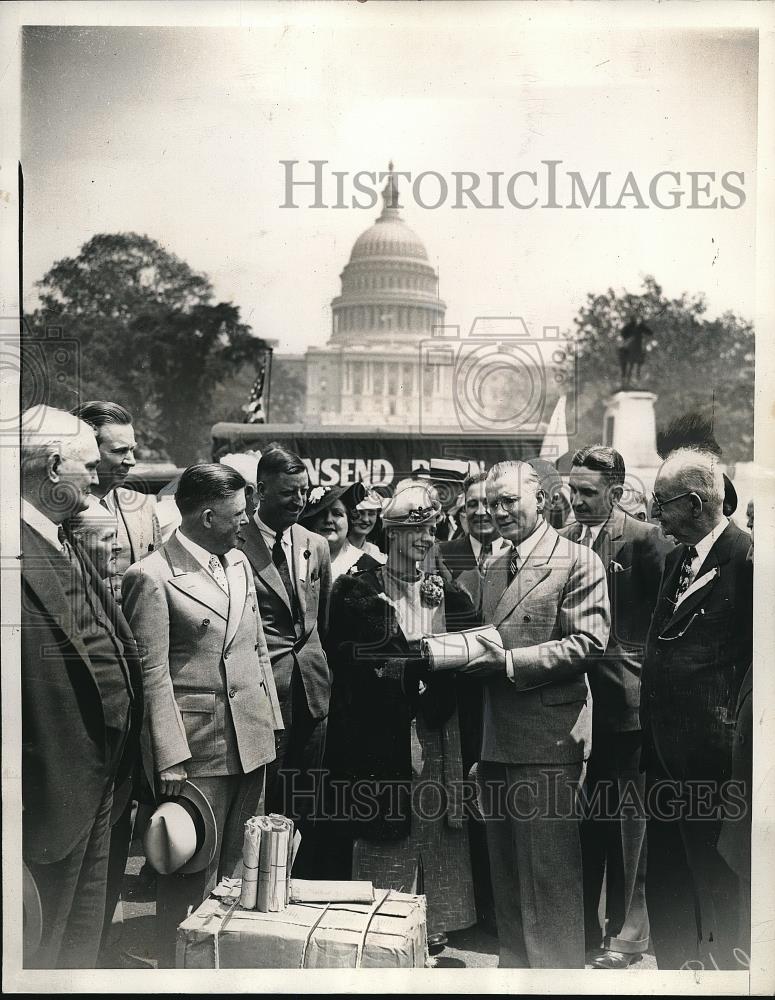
{"x": 393, "y": 733}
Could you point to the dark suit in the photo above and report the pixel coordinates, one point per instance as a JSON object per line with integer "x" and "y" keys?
{"x": 554, "y": 617}
{"x": 696, "y": 656}
{"x": 458, "y": 555}
{"x": 81, "y": 719}
{"x": 301, "y": 673}
{"x": 612, "y": 842}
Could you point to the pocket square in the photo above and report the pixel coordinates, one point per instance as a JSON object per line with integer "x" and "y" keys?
{"x": 699, "y": 582}
{"x": 615, "y": 567}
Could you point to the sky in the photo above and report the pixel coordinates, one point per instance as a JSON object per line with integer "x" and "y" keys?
{"x": 178, "y": 133}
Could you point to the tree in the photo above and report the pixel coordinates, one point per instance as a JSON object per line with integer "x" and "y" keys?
{"x": 693, "y": 363}
{"x": 147, "y": 335}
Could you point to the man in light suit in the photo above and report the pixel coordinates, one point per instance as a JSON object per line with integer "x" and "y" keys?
{"x": 81, "y": 694}
{"x": 210, "y": 695}
{"x": 612, "y": 837}
{"x": 135, "y": 513}
{"x": 292, "y": 575}
{"x": 547, "y": 597}
{"x": 697, "y": 653}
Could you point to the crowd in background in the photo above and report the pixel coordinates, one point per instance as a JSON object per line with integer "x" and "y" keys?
{"x": 252, "y": 645}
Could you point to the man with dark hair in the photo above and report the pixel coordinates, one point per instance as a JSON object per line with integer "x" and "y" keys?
{"x": 81, "y": 694}
{"x": 698, "y": 651}
{"x": 292, "y": 575}
{"x": 481, "y": 542}
{"x": 210, "y": 695}
{"x": 613, "y": 836}
{"x": 136, "y": 522}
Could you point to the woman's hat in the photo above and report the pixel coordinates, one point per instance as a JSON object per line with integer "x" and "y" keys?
{"x": 321, "y": 497}
{"x": 414, "y": 505}
{"x": 371, "y": 501}
{"x": 181, "y": 835}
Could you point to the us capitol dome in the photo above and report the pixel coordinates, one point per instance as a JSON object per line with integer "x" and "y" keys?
{"x": 369, "y": 371}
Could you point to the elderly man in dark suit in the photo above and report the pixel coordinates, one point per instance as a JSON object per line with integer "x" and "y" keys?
{"x": 547, "y": 597}
{"x": 210, "y": 695}
{"x": 81, "y": 694}
{"x": 698, "y": 650}
{"x": 612, "y": 837}
{"x": 292, "y": 574}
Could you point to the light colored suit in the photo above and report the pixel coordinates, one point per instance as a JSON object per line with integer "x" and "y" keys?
{"x": 210, "y": 695}
{"x": 211, "y": 702}
{"x": 554, "y": 616}
{"x": 138, "y": 531}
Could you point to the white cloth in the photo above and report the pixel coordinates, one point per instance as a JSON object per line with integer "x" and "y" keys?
{"x": 345, "y": 558}
{"x": 702, "y": 549}
{"x": 42, "y": 524}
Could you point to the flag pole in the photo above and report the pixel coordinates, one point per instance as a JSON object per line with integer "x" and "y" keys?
{"x": 268, "y": 382}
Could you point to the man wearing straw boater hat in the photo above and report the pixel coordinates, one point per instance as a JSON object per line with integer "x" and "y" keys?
{"x": 210, "y": 695}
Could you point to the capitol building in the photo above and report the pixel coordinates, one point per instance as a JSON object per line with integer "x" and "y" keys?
{"x": 369, "y": 372}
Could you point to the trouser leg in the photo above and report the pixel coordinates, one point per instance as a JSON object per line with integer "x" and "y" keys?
{"x": 72, "y": 895}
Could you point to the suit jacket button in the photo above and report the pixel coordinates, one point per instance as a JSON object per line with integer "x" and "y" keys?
{"x": 526, "y": 618}
{"x": 232, "y": 692}
{"x": 205, "y": 622}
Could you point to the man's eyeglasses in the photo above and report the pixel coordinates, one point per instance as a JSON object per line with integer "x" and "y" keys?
{"x": 658, "y": 504}
{"x": 508, "y": 504}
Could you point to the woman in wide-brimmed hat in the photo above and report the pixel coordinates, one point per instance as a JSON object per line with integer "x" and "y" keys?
{"x": 393, "y": 737}
{"x": 329, "y": 512}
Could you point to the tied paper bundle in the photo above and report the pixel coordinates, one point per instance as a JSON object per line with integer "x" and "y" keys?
{"x": 274, "y": 863}
{"x": 251, "y": 851}
{"x": 455, "y": 649}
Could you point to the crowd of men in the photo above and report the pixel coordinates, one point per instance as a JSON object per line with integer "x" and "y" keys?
{"x": 175, "y": 683}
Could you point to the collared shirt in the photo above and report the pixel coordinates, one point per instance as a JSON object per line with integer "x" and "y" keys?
{"x": 526, "y": 546}
{"x": 269, "y": 535}
{"x": 498, "y": 543}
{"x": 42, "y": 524}
{"x": 593, "y": 530}
{"x": 109, "y": 502}
{"x": 201, "y": 555}
{"x": 702, "y": 549}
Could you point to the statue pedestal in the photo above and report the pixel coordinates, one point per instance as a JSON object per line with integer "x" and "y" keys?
{"x": 630, "y": 426}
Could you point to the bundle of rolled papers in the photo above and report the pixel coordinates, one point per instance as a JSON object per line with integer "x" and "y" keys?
{"x": 267, "y": 857}
{"x": 455, "y": 649}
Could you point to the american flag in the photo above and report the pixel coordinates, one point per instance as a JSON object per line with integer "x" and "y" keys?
{"x": 254, "y": 408}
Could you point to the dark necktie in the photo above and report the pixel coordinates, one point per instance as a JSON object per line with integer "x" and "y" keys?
{"x": 513, "y": 566}
{"x": 278, "y": 558}
{"x": 65, "y": 547}
{"x": 484, "y": 554}
{"x": 686, "y": 572}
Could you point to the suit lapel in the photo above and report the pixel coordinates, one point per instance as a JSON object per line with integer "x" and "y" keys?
{"x": 300, "y": 545}
{"x": 39, "y": 573}
{"x": 192, "y": 579}
{"x": 715, "y": 559}
{"x": 135, "y": 543}
{"x": 528, "y": 577}
{"x": 238, "y": 591}
{"x": 257, "y": 551}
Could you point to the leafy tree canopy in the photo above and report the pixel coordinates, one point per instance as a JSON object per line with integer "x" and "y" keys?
{"x": 147, "y": 334}
{"x": 693, "y": 363}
